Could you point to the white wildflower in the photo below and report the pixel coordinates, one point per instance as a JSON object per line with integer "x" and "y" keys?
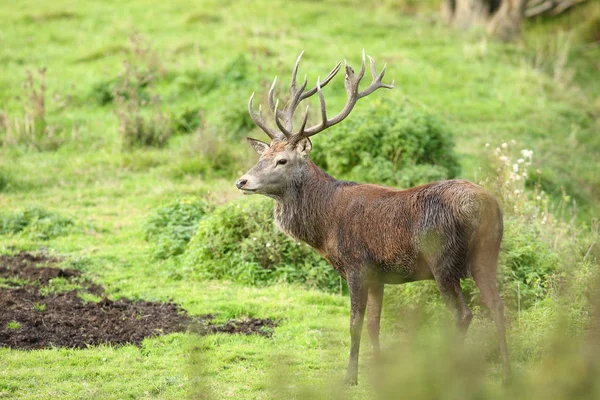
{"x": 268, "y": 245}
{"x": 524, "y": 174}
{"x": 520, "y": 161}
{"x": 504, "y": 145}
{"x": 487, "y": 145}
{"x": 539, "y": 198}
{"x": 515, "y": 168}
{"x": 503, "y": 158}
{"x": 517, "y": 192}
{"x": 527, "y": 153}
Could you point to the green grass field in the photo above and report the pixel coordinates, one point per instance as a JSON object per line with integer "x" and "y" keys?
{"x": 541, "y": 91}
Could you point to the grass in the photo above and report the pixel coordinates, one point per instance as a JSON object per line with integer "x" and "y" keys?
{"x": 212, "y": 56}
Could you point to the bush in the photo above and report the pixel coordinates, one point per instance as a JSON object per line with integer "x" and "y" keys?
{"x": 187, "y": 121}
{"x": 388, "y": 143}
{"x": 105, "y": 92}
{"x": 5, "y": 180}
{"x": 528, "y": 265}
{"x": 32, "y": 127}
{"x": 35, "y": 223}
{"x": 239, "y": 241}
{"x": 170, "y": 228}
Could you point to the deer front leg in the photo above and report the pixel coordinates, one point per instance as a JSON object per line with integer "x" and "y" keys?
{"x": 374, "y": 304}
{"x": 358, "y": 304}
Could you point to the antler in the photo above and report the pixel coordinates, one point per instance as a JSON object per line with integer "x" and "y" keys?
{"x": 284, "y": 118}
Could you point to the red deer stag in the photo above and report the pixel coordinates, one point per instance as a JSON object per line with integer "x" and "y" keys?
{"x": 373, "y": 235}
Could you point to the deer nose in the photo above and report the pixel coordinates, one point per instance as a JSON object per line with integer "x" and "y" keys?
{"x": 241, "y": 183}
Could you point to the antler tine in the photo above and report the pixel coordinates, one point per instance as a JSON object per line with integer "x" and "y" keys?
{"x": 377, "y": 83}
{"x": 295, "y": 72}
{"x": 329, "y": 77}
{"x": 351, "y": 84}
{"x": 283, "y": 119}
{"x": 295, "y": 138}
{"x": 290, "y": 108}
{"x": 271, "y": 94}
{"x": 259, "y": 121}
{"x": 276, "y": 114}
{"x": 362, "y": 66}
{"x": 305, "y": 119}
{"x": 322, "y": 101}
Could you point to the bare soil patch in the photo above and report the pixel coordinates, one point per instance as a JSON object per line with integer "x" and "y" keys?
{"x": 246, "y": 326}
{"x": 33, "y": 319}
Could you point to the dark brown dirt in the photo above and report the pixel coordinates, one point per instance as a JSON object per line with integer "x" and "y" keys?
{"x": 31, "y": 320}
{"x": 30, "y": 267}
{"x": 246, "y": 326}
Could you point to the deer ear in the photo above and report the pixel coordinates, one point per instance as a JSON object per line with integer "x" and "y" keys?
{"x": 258, "y": 146}
{"x": 304, "y": 146}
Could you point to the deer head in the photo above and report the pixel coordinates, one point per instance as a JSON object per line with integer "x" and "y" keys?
{"x": 285, "y": 159}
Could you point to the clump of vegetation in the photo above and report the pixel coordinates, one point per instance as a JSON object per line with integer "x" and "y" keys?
{"x": 236, "y": 122}
{"x": 198, "y": 80}
{"x": 211, "y": 155}
{"x": 188, "y": 120}
{"x": 389, "y": 143}
{"x": 13, "y": 325}
{"x": 105, "y": 92}
{"x": 35, "y": 223}
{"x": 59, "y": 285}
{"x": 237, "y": 70}
{"x": 32, "y": 127}
{"x": 239, "y": 241}
{"x": 170, "y": 228}
{"x": 5, "y": 180}
{"x": 142, "y": 122}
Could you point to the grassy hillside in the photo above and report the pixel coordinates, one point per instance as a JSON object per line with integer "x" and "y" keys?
{"x": 192, "y": 66}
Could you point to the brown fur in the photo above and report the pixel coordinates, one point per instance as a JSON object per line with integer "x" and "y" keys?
{"x": 375, "y": 235}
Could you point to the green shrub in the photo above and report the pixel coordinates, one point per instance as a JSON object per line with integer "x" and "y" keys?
{"x": 170, "y": 228}
{"x": 237, "y": 70}
{"x": 388, "y": 143}
{"x": 104, "y": 92}
{"x": 4, "y": 180}
{"x": 187, "y": 121}
{"x": 236, "y": 121}
{"x": 211, "y": 154}
{"x": 35, "y": 223}
{"x": 239, "y": 241}
{"x": 528, "y": 264}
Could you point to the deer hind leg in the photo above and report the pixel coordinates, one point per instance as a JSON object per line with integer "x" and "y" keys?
{"x": 374, "y": 304}
{"x": 358, "y": 304}
{"x": 483, "y": 268}
{"x": 451, "y": 292}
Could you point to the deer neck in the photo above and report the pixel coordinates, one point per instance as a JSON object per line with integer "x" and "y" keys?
{"x": 304, "y": 209}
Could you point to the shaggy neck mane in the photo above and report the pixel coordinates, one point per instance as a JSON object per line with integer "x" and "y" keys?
{"x": 307, "y": 203}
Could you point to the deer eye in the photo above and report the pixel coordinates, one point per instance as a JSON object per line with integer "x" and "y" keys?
{"x": 283, "y": 161}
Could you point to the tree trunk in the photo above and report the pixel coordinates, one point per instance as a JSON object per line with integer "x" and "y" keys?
{"x": 501, "y": 17}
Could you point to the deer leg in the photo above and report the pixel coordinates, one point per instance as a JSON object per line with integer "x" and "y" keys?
{"x": 374, "y": 303}
{"x": 358, "y": 304}
{"x": 489, "y": 293}
{"x": 452, "y": 294}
